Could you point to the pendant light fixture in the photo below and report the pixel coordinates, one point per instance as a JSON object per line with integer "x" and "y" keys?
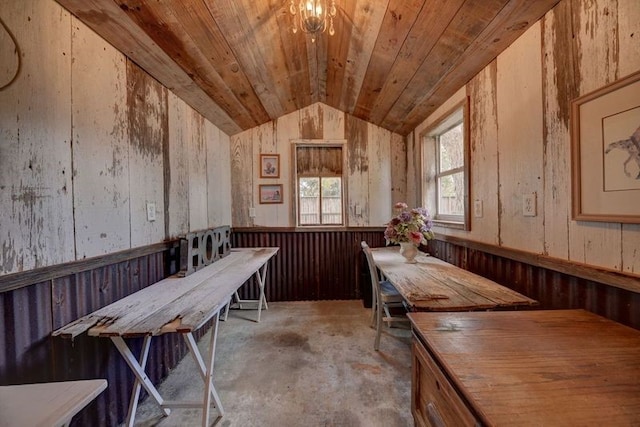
{"x": 313, "y": 16}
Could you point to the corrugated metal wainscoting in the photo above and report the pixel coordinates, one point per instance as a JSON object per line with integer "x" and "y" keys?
{"x": 29, "y": 353}
{"x": 312, "y": 265}
{"x": 553, "y": 289}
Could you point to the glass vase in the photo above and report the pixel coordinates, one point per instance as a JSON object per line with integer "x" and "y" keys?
{"x": 409, "y": 251}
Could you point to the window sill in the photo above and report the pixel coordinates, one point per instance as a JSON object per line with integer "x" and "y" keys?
{"x": 449, "y": 224}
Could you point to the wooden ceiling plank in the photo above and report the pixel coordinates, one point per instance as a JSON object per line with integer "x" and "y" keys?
{"x": 508, "y": 25}
{"x": 368, "y": 20}
{"x": 112, "y": 24}
{"x": 467, "y": 25}
{"x": 295, "y": 56}
{"x": 259, "y": 56}
{"x": 159, "y": 22}
{"x": 338, "y": 52}
{"x": 424, "y": 34}
{"x": 398, "y": 21}
{"x": 198, "y": 23}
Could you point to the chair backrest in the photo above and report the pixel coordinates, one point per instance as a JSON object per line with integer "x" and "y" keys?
{"x": 373, "y": 270}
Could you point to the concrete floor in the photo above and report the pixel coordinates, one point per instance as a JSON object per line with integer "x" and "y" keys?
{"x": 304, "y": 364}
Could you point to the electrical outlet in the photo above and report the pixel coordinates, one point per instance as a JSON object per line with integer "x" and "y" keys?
{"x": 529, "y": 204}
{"x": 252, "y": 212}
{"x": 151, "y": 211}
{"x": 477, "y": 208}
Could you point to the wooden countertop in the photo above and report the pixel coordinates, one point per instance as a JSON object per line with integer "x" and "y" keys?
{"x": 538, "y": 367}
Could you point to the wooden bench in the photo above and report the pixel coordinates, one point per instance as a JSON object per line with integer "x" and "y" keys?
{"x": 46, "y": 404}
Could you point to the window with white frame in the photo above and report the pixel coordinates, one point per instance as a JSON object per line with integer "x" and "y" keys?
{"x": 320, "y": 185}
{"x": 446, "y": 166}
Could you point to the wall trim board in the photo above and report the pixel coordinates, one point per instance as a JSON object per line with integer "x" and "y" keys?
{"x": 23, "y": 279}
{"x": 605, "y": 276}
{"x": 305, "y": 229}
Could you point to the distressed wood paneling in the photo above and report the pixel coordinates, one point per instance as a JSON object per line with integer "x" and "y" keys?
{"x": 629, "y": 44}
{"x": 242, "y": 178}
{"x": 504, "y": 28}
{"x": 357, "y": 173}
{"x": 176, "y": 170}
{"x": 559, "y": 86}
{"x": 100, "y": 145}
{"x": 465, "y": 26}
{"x": 483, "y": 145}
{"x": 393, "y": 31}
{"x": 242, "y": 57}
{"x": 367, "y": 21}
{"x": 596, "y": 43}
{"x": 197, "y": 155}
{"x": 264, "y": 142}
{"x": 582, "y": 43}
{"x": 311, "y": 122}
{"x": 107, "y": 19}
{"x": 218, "y": 176}
{"x": 519, "y": 110}
{"x": 287, "y": 129}
{"x": 416, "y": 46}
{"x": 333, "y": 125}
{"x": 36, "y": 219}
{"x": 398, "y": 168}
{"x": 414, "y": 171}
{"x": 259, "y": 63}
{"x": 379, "y": 185}
{"x": 148, "y": 122}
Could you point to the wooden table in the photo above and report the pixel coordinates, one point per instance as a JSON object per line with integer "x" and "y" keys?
{"x": 176, "y": 305}
{"x": 435, "y": 285}
{"x": 532, "y": 367}
{"x": 46, "y": 404}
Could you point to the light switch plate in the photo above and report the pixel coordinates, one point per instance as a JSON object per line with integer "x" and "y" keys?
{"x": 252, "y": 212}
{"x": 477, "y": 208}
{"x": 529, "y": 204}
{"x": 151, "y": 211}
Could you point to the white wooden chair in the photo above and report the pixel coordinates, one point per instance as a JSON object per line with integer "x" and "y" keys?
{"x": 383, "y": 297}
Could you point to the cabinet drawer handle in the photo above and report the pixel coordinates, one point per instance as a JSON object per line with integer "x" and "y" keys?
{"x": 434, "y": 416}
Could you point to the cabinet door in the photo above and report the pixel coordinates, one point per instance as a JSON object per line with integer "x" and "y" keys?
{"x": 434, "y": 401}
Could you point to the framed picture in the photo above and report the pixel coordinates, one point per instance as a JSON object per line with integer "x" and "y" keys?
{"x": 605, "y": 153}
{"x": 271, "y": 193}
{"x": 269, "y": 165}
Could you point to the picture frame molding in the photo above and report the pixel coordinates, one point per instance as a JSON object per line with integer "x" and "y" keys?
{"x": 579, "y": 212}
{"x": 264, "y": 159}
{"x": 263, "y": 198}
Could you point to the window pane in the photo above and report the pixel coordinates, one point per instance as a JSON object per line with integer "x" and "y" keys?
{"x": 332, "y": 200}
{"x": 309, "y": 201}
{"x": 451, "y": 149}
{"x": 451, "y": 194}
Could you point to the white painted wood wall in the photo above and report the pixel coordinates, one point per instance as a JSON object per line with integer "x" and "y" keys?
{"x": 375, "y": 175}
{"x": 520, "y": 141}
{"x": 80, "y": 156}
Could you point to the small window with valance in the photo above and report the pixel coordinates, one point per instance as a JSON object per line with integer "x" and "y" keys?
{"x": 319, "y": 183}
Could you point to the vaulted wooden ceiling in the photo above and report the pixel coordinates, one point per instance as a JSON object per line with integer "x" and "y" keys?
{"x": 391, "y": 62}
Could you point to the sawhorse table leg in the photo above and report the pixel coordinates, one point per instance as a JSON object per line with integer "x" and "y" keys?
{"x": 141, "y": 377}
{"x": 261, "y": 275}
{"x": 205, "y": 368}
